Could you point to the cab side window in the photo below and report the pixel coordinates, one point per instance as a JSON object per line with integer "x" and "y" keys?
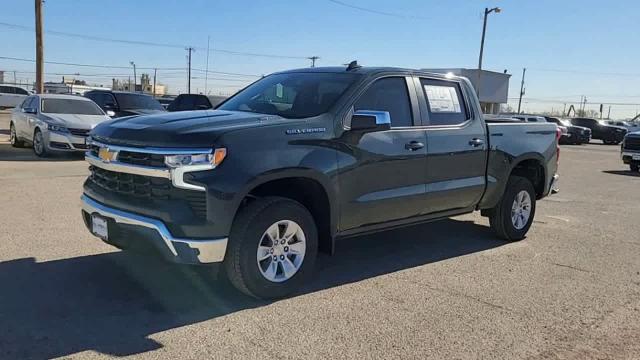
{"x": 388, "y": 94}
{"x": 445, "y": 102}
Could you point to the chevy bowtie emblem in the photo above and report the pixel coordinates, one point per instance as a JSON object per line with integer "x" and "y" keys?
{"x": 107, "y": 155}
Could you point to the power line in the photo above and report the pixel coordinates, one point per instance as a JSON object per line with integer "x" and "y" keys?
{"x": 378, "y": 12}
{"x": 579, "y": 72}
{"x": 87, "y": 65}
{"x": 148, "y": 43}
{"x": 225, "y": 73}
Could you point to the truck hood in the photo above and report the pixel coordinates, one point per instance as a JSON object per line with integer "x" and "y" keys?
{"x": 75, "y": 121}
{"x": 178, "y": 129}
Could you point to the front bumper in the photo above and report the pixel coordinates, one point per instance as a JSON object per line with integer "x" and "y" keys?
{"x": 627, "y": 156}
{"x": 57, "y": 141}
{"x": 127, "y": 225}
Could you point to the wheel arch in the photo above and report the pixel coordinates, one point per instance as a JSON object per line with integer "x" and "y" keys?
{"x": 309, "y": 189}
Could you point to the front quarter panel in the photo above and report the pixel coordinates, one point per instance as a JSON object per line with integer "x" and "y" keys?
{"x": 261, "y": 154}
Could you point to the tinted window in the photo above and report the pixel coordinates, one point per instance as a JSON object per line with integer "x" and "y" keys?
{"x": 201, "y": 102}
{"x": 21, "y": 91}
{"x": 6, "y": 90}
{"x": 137, "y": 101}
{"x": 292, "y": 95}
{"x": 70, "y": 106}
{"x": 186, "y": 103}
{"x": 445, "y": 102}
{"x": 388, "y": 94}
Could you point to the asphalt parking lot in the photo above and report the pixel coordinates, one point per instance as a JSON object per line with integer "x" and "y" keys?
{"x": 442, "y": 290}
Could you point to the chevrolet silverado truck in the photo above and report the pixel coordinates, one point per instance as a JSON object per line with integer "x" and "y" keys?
{"x": 302, "y": 158}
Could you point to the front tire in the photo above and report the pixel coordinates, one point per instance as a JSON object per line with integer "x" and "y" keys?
{"x": 272, "y": 248}
{"x": 39, "y": 147}
{"x": 513, "y": 216}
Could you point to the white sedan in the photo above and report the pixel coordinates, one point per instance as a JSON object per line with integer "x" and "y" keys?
{"x": 54, "y": 123}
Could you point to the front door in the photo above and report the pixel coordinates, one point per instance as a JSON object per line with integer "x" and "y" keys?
{"x": 382, "y": 174}
{"x": 457, "y": 146}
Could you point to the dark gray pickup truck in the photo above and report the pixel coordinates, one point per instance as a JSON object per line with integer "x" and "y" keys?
{"x": 302, "y": 158}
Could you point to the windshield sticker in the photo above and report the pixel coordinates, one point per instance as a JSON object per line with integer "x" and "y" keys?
{"x": 443, "y": 99}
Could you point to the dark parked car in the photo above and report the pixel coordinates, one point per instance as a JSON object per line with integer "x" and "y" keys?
{"x": 301, "y": 158}
{"x": 119, "y": 103}
{"x": 609, "y": 134}
{"x": 185, "y": 102}
{"x": 631, "y": 150}
{"x": 575, "y": 134}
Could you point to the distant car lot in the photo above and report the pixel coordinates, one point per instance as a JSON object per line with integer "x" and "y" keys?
{"x": 448, "y": 290}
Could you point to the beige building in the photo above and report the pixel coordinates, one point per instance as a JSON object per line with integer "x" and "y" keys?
{"x": 145, "y": 86}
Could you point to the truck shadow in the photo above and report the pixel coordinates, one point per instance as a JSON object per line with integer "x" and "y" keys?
{"x": 622, "y": 172}
{"x": 111, "y": 303}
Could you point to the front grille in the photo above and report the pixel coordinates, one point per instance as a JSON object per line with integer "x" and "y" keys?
{"x": 632, "y": 143}
{"x": 79, "y": 132}
{"x": 138, "y": 186}
{"x": 135, "y": 158}
{"x": 80, "y": 146}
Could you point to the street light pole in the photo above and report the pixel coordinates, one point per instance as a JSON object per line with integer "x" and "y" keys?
{"x": 134, "y": 75}
{"x": 487, "y": 11}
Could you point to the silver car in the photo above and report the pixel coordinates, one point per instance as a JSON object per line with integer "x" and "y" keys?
{"x": 54, "y": 123}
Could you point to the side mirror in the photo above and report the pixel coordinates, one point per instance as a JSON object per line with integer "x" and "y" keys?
{"x": 29, "y": 111}
{"x": 111, "y": 113}
{"x": 370, "y": 120}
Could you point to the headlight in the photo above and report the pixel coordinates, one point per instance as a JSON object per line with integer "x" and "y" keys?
{"x": 176, "y": 161}
{"x": 57, "y": 128}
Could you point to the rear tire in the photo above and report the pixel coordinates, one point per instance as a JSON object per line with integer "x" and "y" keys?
{"x": 15, "y": 140}
{"x": 513, "y": 216}
{"x": 254, "y": 230}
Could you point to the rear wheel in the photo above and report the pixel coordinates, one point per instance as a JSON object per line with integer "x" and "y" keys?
{"x": 272, "y": 248}
{"x": 513, "y": 216}
{"x": 15, "y": 141}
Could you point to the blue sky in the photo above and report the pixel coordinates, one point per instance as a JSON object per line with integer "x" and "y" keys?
{"x": 570, "y": 47}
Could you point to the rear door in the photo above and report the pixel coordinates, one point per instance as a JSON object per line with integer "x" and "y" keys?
{"x": 20, "y": 118}
{"x": 382, "y": 173}
{"x": 456, "y": 143}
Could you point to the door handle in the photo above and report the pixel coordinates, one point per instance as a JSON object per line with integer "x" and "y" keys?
{"x": 413, "y": 145}
{"x": 475, "y": 142}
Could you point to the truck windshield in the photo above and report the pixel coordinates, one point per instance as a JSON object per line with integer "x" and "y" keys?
{"x": 137, "y": 101}
{"x": 70, "y": 106}
{"x": 292, "y": 95}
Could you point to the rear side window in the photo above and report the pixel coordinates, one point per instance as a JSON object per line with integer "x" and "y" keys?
{"x": 21, "y": 91}
{"x": 445, "y": 102}
{"x": 6, "y": 90}
{"x": 388, "y": 94}
{"x": 202, "y": 103}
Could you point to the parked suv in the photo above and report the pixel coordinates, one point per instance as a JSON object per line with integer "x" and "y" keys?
{"x": 575, "y": 134}
{"x": 302, "y": 158}
{"x": 119, "y": 103}
{"x": 609, "y": 134}
{"x": 185, "y": 102}
{"x": 11, "y": 96}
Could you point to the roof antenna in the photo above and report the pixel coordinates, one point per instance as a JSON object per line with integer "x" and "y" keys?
{"x": 353, "y": 65}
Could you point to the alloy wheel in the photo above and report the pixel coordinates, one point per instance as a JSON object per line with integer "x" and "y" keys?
{"x": 281, "y": 251}
{"x": 521, "y": 210}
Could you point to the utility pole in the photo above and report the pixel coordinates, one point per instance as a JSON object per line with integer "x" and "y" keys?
{"x": 190, "y": 50}
{"x": 14, "y": 77}
{"x": 524, "y": 71}
{"x": 609, "y": 113}
{"x": 206, "y": 70}
{"x": 39, "y": 50}
{"x": 313, "y": 60}
{"x": 487, "y": 11}
{"x": 155, "y": 72}
{"x": 135, "y": 77}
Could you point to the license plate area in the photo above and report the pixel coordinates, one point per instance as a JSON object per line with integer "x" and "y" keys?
{"x": 100, "y": 226}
